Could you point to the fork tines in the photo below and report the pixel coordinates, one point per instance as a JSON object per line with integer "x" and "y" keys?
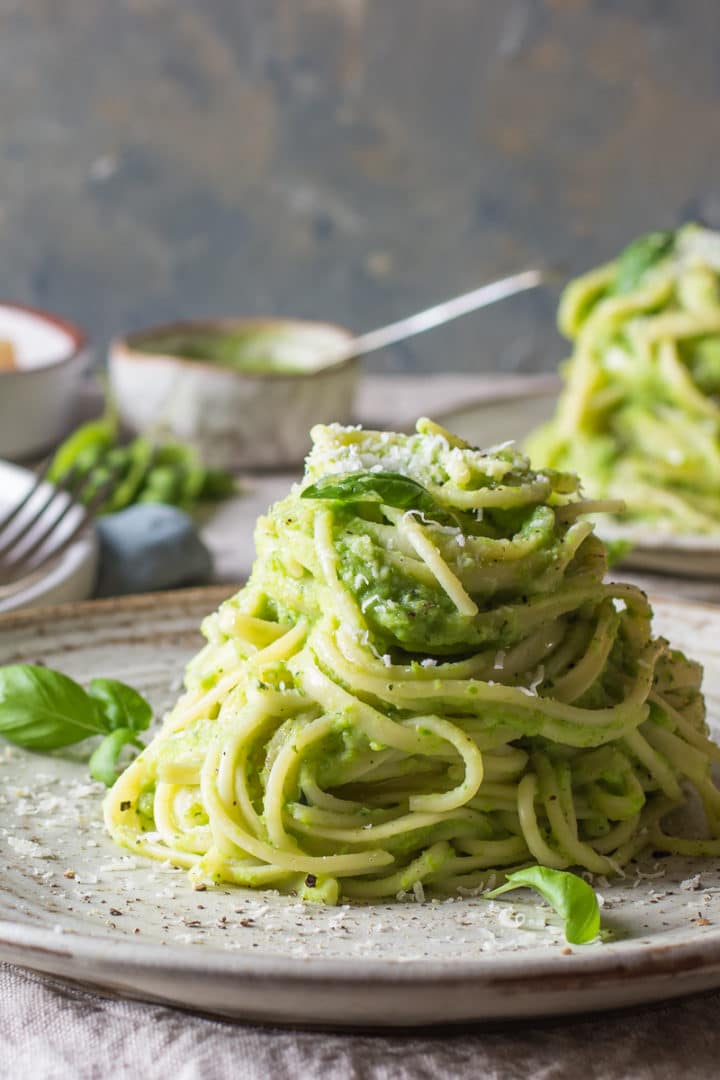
{"x": 49, "y": 517}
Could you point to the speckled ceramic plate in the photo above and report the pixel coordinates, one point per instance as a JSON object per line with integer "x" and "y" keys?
{"x": 513, "y": 409}
{"x": 74, "y": 905}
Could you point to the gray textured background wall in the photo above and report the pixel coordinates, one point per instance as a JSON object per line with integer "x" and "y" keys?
{"x": 346, "y": 159}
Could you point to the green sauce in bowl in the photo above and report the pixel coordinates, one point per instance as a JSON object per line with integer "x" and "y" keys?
{"x": 257, "y": 350}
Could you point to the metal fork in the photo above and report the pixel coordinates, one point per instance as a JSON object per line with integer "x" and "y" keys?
{"x": 35, "y": 533}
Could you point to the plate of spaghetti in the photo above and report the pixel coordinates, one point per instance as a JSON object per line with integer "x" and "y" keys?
{"x": 639, "y": 415}
{"x": 427, "y": 690}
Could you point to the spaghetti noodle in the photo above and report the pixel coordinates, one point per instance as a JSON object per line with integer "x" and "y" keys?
{"x": 426, "y": 681}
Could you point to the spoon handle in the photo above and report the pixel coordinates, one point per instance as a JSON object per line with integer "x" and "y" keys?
{"x": 442, "y": 313}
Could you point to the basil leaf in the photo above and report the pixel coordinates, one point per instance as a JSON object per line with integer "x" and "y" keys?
{"x": 392, "y": 489}
{"x": 570, "y": 896}
{"x": 121, "y": 706}
{"x": 638, "y": 257}
{"x": 104, "y": 759}
{"x": 42, "y": 709}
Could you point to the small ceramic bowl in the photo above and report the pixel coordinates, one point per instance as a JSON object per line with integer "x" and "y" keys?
{"x": 244, "y": 392}
{"x": 44, "y": 359}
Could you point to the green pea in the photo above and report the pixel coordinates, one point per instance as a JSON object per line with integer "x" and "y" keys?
{"x": 162, "y": 483}
{"x": 217, "y": 485}
{"x": 139, "y": 455}
{"x": 88, "y": 458}
{"x": 118, "y": 458}
{"x": 100, "y": 475}
{"x": 189, "y": 469}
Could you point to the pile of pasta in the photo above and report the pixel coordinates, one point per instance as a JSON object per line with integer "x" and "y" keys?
{"x": 426, "y": 682}
{"x": 639, "y": 417}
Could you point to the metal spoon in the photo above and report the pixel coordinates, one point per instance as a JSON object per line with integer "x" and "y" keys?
{"x": 437, "y": 315}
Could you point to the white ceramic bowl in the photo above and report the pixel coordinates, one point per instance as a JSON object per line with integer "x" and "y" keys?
{"x": 37, "y": 397}
{"x": 236, "y": 418}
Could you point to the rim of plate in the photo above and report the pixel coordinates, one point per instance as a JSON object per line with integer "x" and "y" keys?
{"x": 657, "y": 539}
{"x": 627, "y": 960}
{"x": 215, "y": 593}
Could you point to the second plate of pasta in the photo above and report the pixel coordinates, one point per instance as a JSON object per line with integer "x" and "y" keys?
{"x": 645, "y": 546}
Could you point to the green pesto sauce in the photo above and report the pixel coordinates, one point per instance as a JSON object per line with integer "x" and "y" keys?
{"x": 255, "y": 351}
{"x": 405, "y": 613}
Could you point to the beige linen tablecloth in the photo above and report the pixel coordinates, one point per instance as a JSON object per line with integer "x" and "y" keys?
{"x": 49, "y": 1030}
{"x": 53, "y": 1032}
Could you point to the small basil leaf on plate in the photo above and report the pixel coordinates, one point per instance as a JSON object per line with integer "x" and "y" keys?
{"x": 570, "y": 896}
{"x": 392, "y": 489}
{"x": 42, "y": 709}
{"x": 120, "y": 704}
{"x": 104, "y": 759}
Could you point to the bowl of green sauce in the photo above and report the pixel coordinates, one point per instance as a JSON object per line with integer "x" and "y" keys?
{"x": 245, "y": 392}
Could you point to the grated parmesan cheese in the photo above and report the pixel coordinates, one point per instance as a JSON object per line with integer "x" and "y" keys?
{"x": 27, "y": 848}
